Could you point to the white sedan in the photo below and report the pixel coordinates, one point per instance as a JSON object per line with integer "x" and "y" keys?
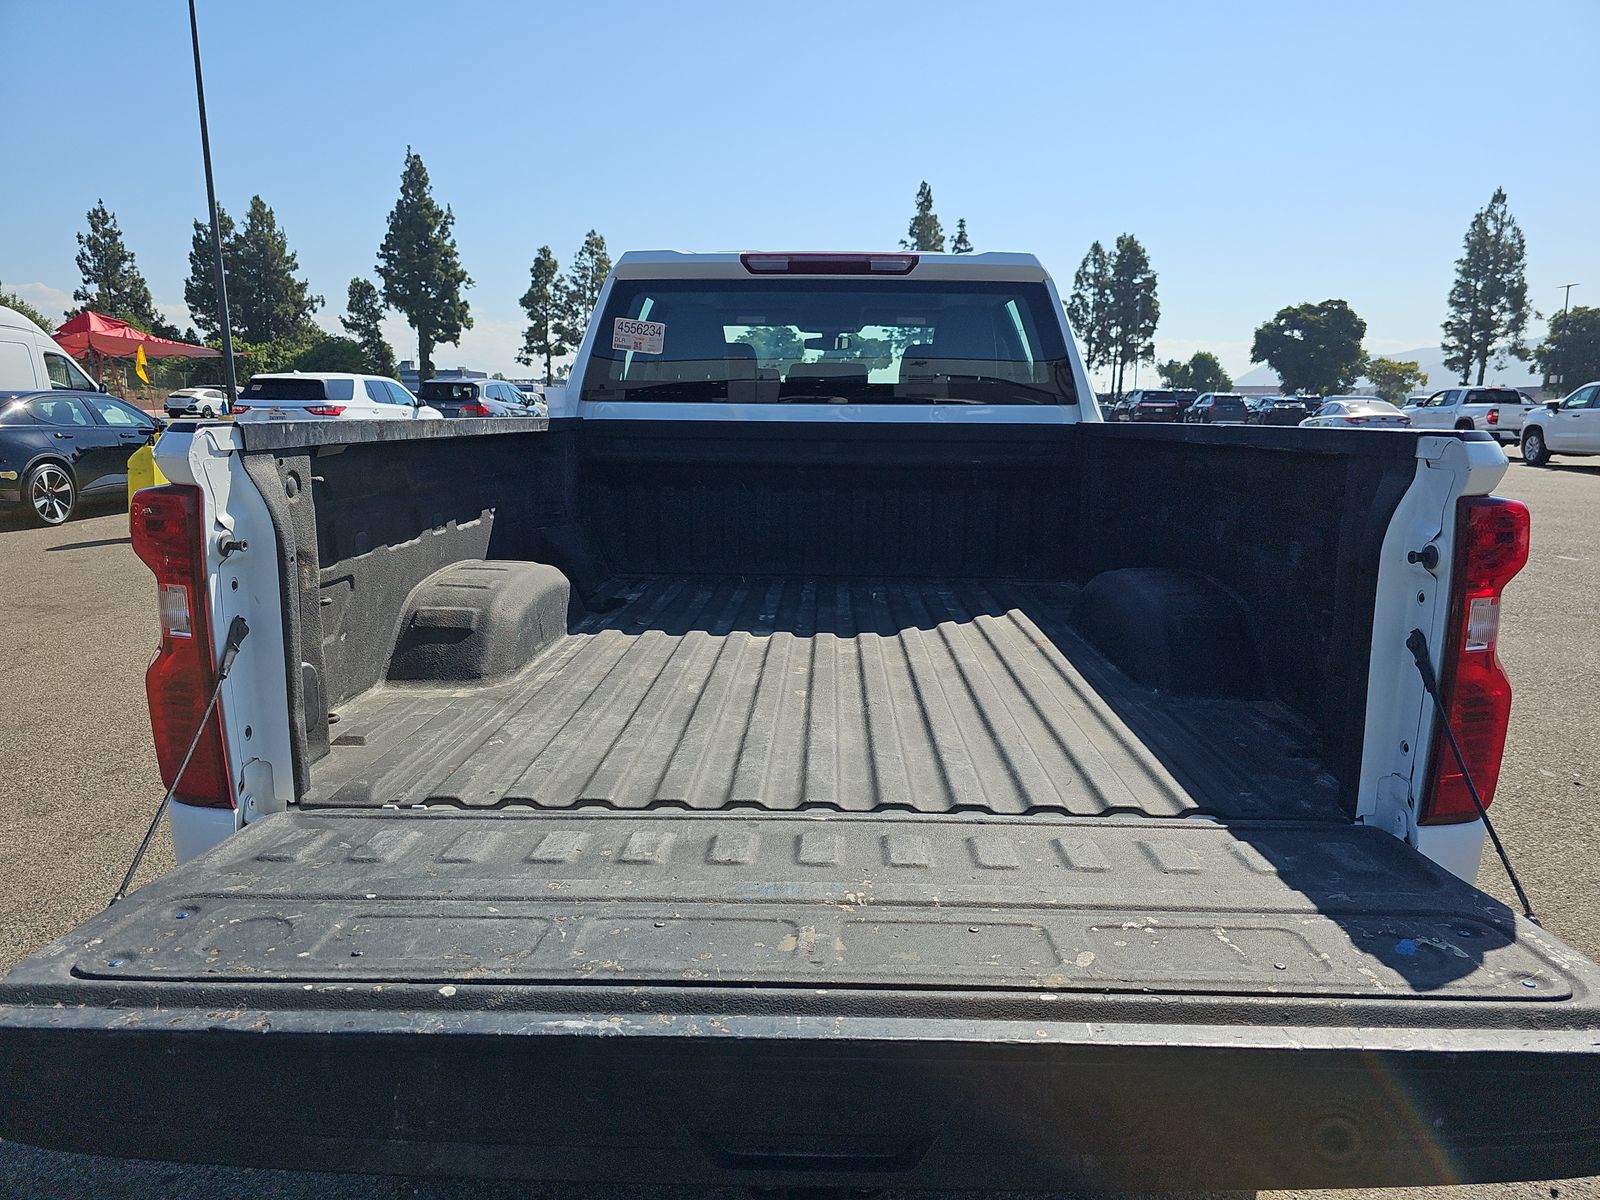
{"x": 208, "y": 402}
{"x": 1358, "y": 412}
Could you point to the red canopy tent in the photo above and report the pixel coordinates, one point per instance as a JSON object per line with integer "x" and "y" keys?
{"x": 90, "y": 331}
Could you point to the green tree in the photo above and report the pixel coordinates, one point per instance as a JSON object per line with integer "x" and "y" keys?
{"x": 111, "y": 281}
{"x": 1313, "y": 348}
{"x": 961, "y": 244}
{"x": 265, "y": 300}
{"x": 263, "y": 358}
{"x": 420, "y": 268}
{"x": 924, "y": 232}
{"x": 1089, "y": 306}
{"x": 1202, "y": 373}
{"x": 200, "y": 289}
{"x": 1394, "y": 381}
{"x": 1570, "y": 353}
{"x": 331, "y": 353}
{"x": 1132, "y": 310}
{"x": 17, "y": 304}
{"x": 542, "y": 302}
{"x": 581, "y": 288}
{"x": 1488, "y": 303}
{"x": 363, "y": 320}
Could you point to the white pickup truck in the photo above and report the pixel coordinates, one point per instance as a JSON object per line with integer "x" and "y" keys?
{"x": 1569, "y": 427}
{"x": 822, "y": 754}
{"x": 1497, "y": 411}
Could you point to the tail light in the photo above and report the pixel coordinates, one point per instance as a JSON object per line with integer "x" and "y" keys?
{"x": 1493, "y": 416}
{"x": 1491, "y": 547}
{"x": 474, "y": 410}
{"x": 169, "y": 538}
{"x": 829, "y": 264}
{"x": 324, "y": 410}
{"x": 239, "y": 408}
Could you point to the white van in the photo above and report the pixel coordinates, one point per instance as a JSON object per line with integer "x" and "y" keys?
{"x": 320, "y": 395}
{"x": 30, "y": 360}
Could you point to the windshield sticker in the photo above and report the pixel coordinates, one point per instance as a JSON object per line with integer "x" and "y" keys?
{"x": 642, "y": 337}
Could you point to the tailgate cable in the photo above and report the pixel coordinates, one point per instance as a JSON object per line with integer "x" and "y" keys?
{"x": 237, "y": 631}
{"x": 1417, "y": 643}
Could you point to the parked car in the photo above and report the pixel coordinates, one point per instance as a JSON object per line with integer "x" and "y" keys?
{"x": 59, "y": 447}
{"x": 477, "y": 398}
{"x": 734, "y": 786}
{"x": 205, "y": 402}
{"x": 1569, "y": 427}
{"x": 1289, "y": 410}
{"x": 1368, "y": 411}
{"x": 1218, "y": 408}
{"x": 30, "y": 360}
{"x": 1151, "y": 404}
{"x": 297, "y": 396}
{"x": 1470, "y": 408}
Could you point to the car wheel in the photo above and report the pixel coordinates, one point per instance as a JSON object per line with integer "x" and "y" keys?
{"x": 1534, "y": 452}
{"x": 208, "y": 413}
{"x": 50, "y": 493}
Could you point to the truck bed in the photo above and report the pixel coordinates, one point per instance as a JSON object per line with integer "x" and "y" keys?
{"x": 851, "y": 695}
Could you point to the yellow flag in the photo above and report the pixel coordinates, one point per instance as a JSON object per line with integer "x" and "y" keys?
{"x": 139, "y": 362}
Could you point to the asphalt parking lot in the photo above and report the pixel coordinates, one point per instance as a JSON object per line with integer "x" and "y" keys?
{"x": 78, "y": 784}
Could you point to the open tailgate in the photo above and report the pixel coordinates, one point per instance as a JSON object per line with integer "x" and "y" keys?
{"x": 840, "y": 1000}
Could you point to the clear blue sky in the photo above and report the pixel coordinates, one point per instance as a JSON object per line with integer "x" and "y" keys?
{"x": 1265, "y": 153}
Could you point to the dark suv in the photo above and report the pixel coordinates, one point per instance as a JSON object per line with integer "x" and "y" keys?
{"x": 1217, "y": 408}
{"x": 1154, "y": 404}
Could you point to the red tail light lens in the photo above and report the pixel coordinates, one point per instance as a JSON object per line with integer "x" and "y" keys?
{"x": 169, "y": 538}
{"x": 1493, "y": 416}
{"x": 239, "y": 408}
{"x": 474, "y": 410}
{"x": 1491, "y": 547}
{"x": 324, "y": 410}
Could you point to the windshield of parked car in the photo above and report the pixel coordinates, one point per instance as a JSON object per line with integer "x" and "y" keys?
{"x": 830, "y": 342}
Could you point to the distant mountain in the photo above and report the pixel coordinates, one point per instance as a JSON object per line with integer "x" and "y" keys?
{"x": 1430, "y": 359}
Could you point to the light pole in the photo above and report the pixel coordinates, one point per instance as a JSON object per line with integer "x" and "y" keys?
{"x": 216, "y": 233}
{"x": 1567, "y": 301}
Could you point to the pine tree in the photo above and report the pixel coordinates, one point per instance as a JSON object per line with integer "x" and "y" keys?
{"x": 200, "y": 289}
{"x": 581, "y": 288}
{"x": 1489, "y": 299}
{"x": 1133, "y": 310}
{"x": 1089, "y": 306}
{"x": 420, "y": 268}
{"x": 924, "y": 232}
{"x": 111, "y": 281}
{"x": 364, "y": 322}
{"x": 961, "y": 244}
{"x": 542, "y": 303}
{"x": 265, "y": 301}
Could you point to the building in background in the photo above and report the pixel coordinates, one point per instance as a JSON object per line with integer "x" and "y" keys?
{"x": 408, "y": 375}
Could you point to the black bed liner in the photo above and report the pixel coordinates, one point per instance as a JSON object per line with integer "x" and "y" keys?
{"x": 824, "y": 999}
{"x": 824, "y": 693}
